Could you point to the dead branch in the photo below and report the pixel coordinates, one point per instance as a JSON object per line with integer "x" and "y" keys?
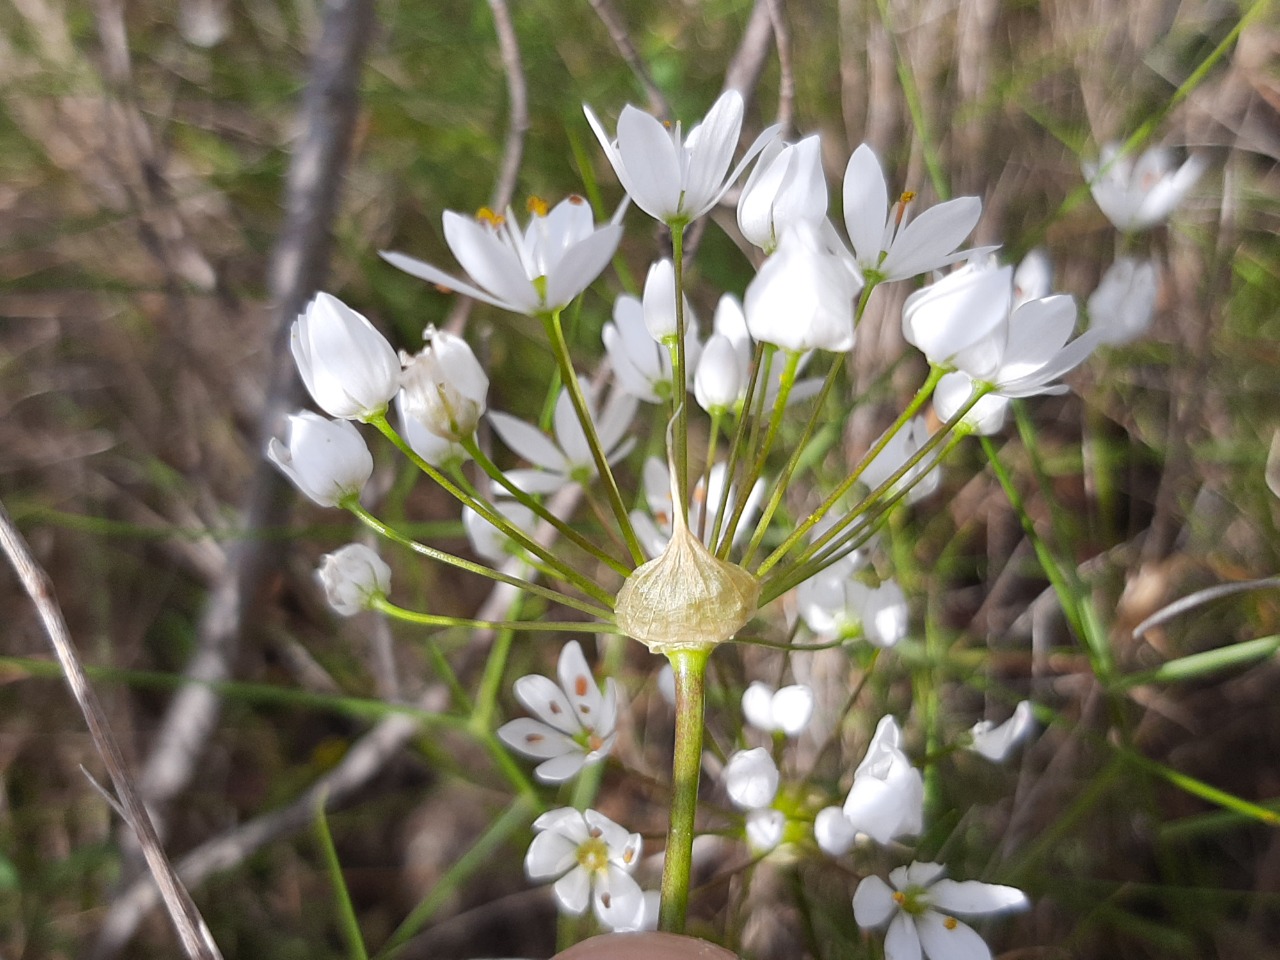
{"x": 196, "y": 939}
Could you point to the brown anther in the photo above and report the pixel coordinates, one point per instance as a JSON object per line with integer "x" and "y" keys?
{"x": 556, "y": 708}
{"x": 576, "y": 199}
{"x": 580, "y": 686}
{"x": 605, "y": 900}
{"x": 443, "y": 289}
{"x": 537, "y": 206}
{"x": 595, "y": 832}
{"x": 534, "y": 738}
{"x": 595, "y": 742}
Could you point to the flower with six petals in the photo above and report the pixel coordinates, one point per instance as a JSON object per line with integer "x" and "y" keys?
{"x": 536, "y": 270}
{"x": 576, "y": 723}
{"x": 591, "y": 859}
{"x": 918, "y": 908}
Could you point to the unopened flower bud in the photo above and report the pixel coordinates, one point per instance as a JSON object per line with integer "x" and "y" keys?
{"x": 751, "y": 778}
{"x": 326, "y": 459}
{"x": 444, "y": 388}
{"x": 347, "y": 365}
{"x": 353, "y": 578}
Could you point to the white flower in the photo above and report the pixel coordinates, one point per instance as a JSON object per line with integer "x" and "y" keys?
{"x": 967, "y": 321}
{"x": 786, "y": 711}
{"x": 885, "y": 801}
{"x": 802, "y": 298}
{"x": 1123, "y": 306}
{"x": 592, "y": 857}
{"x": 885, "y": 244}
{"x": 672, "y": 178}
{"x": 900, "y": 448}
{"x": 787, "y": 186}
{"x": 1137, "y": 196}
{"x": 568, "y": 459}
{"x": 348, "y": 366}
{"x": 533, "y": 271}
{"x": 995, "y": 742}
{"x": 576, "y": 723}
{"x": 963, "y": 308}
{"x": 326, "y": 459}
{"x": 659, "y": 303}
{"x": 353, "y": 577}
{"x": 833, "y": 604}
{"x": 491, "y": 543}
{"x": 642, "y": 364}
{"x": 655, "y": 531}
{"x": 444, "y": 388}
{"x": 751, "y": 779}
{"x": 921, "y": 905}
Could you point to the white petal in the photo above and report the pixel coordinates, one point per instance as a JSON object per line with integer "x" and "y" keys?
{"x": 711, "y": 146}
{"x": 580, "y": 266}
{"x": 764, "y": 829}
{"x": 975, "y": 897}
{"x": 946, "y": 938}
{"x": 547, "y": 702}
{"x": 792, "y": 708}
{"x": 901, "y": 941}
{"x": 561, "y": 768}
{"x": 919, "y": 873}
{"x": 580, "y": 686}
{"x": 573, "y": 891}
{"x": 534, "y": 739}
{"x": 527, "y": 441}
{"x": 490, "y": 262}
{"x": 757, "y": 706}
{"x": 1038, "y": 330}
{"x": 425, "y": 271}
{"x": 995, "y": 742}
{"x": 926, "y": 242}
{"x": 618, "y": 898}
{"x": 536, "y": 481}
{"x": 873, "y": 902}
{"x": 866, "y": 202}
{"x": 650, "y": 168}
{"x": 550, "y": 855}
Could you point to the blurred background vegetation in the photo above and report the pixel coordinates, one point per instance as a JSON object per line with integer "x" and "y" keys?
{"x": 143, "y": 151}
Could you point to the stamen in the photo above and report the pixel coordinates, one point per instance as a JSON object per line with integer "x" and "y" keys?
{"x": 900, "y": 208}
{"x": 488, "y": 217}
{"x": 537, "y": 206}
{"x": 576, "y": 199}
{"x": 950, "y": 923}
{"x": 580, "y": 686}
{"x": 899, "y": 897}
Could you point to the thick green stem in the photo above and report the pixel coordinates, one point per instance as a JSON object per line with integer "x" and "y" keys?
{"x": 690, "y": 668}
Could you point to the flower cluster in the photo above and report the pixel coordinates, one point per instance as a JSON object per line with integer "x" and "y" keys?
{"x": 694, "y": 557}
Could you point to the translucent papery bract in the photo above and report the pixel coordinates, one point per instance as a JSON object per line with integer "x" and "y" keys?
{"x": 352, "y": 577}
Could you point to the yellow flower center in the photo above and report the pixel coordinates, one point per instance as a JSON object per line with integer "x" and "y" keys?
{"x": 593, "y": 854}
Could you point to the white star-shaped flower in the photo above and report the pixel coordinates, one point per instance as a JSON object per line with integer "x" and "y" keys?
{"x": 918, "y": 908}
{"x": 591, "y": 859}
{"x": 576, "y": 725}
{"x": 536, "y": 270}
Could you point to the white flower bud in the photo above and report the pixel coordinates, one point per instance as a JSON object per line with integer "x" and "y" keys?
{"x": 444, "y": 388}
{"x": 347, "y": 365}
{"x": 751, "y": 778}
{"x": 787, "y": 711}
{"x": 717, "y": 381}
{"x": 352, "y": 577}
{"x": 326, "y": 459}
{"x": 659, "y": 303}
